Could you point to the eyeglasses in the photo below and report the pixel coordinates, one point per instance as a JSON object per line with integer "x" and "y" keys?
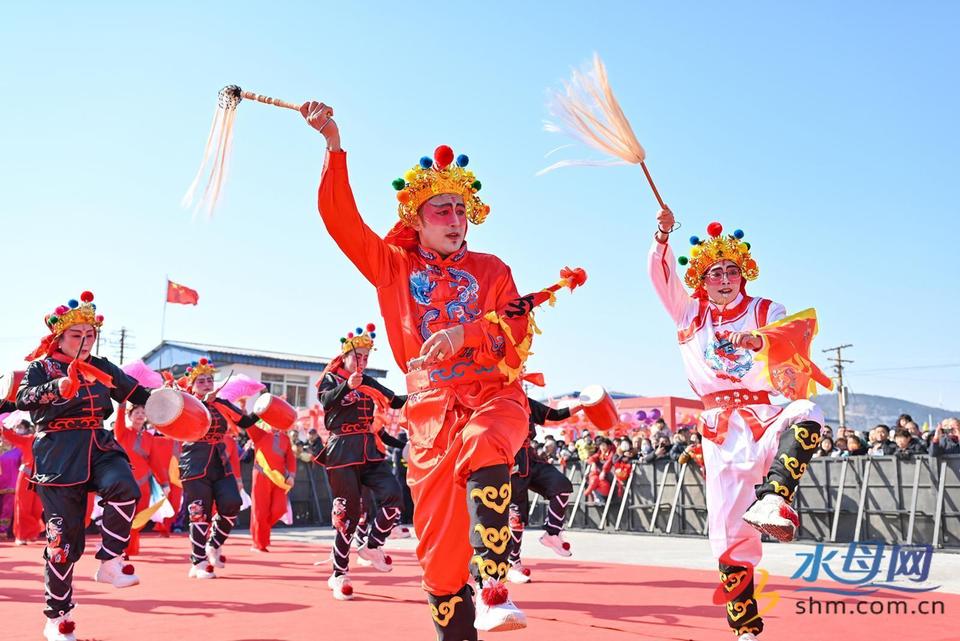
{"x": 717, "y": 275}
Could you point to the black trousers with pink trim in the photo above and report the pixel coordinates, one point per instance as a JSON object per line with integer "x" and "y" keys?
{"x": 64, "y": 510}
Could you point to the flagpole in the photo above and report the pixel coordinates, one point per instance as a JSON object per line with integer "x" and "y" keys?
{"x": 163, "y": 318}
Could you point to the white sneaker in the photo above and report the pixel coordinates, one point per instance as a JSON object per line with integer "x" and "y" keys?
{"x": 748, "y": 636}
{"x": 495, "y": 611}
{"x": 19, "y": 542}
{"x": 341, "y": 586}
{"x": 215, "y": 556}
{"x": 556, "y": 543}
{"x": 117, "y": 573}
{"x": 773, "y": 515}
{"x": 202, "y": 570}
{"x": 400, "y": 532}
{"x": 59, "y": 629}
{"x": 375, "y": 558}
{"x": 518, "y": 574}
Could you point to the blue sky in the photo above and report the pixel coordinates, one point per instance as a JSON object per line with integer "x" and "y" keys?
{"x": 828, "y": 132}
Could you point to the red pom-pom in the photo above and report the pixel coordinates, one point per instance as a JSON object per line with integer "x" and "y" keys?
{"x": 790, "y": 514}
{"x": 347, "y": 590}
{"x": 388, "y": 559}
{"x": 714, "y": 229}
{"x": 496, "y": 594}
{"x": 349, "y": 334}
{"x": 443, "y": 156}
{"x": 86, "y": 297}
{"x": 371, "y": 327}
{"x": 575, "y": 277}
{"x": 127, "y": 569}
{"x": 67, "y": 627}
{"x": 566, "y": 546}
{"x": 209, "y": 568}
{"x": 526, "y": 571}
{"x": 99, "y": 318}
{"x": 203, "y": 361}
{"x": 223, "y": 559}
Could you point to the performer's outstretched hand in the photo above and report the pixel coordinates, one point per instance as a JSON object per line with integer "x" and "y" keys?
{"x": 747, "y": 340}
{"x": 665, "y": 223}
{"x": 355, "y": 380}
{"x": 320, "y": 117}
{"x": 440, "y": 346}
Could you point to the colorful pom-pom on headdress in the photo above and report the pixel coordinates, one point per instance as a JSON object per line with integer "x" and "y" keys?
{"x": 198, "y": 369}
{"x": 441, "y": 174}
{"x": 706, "y": 253}
{"x": 82, "y": 312}
{"x": 361, "y": 339}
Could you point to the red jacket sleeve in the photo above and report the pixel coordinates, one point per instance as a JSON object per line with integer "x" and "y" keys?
{"x": 23, "y": 442}
{"x": 291, "y": 459}
{"x": 234, "y": 451}
{"x": 377, "y": 260}
{"x": 121, "y": 432}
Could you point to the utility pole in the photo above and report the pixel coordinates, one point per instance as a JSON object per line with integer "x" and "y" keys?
{"x": 839, "y": 362}
{"x": 123, "y": 340}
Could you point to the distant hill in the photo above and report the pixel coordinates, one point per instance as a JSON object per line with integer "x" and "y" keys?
{"x": 865, "y": 410}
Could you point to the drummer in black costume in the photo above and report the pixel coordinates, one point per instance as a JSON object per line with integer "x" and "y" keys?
{"x": 354, "y": 457}
{"x": 69, "y": 395}
{"x": 208, "y": 474}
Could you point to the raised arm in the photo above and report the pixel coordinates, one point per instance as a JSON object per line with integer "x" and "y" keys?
{"x": 375, "y": 259}
{"x": 663, "y": 274}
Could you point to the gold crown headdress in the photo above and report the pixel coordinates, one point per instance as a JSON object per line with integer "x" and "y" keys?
{"x": 439, "y": 175}
{"x": 198, "y": 369}
{"x": 705, "y": 253}
{"x": 361, "y": 339}
{"x": 82, "y": 312}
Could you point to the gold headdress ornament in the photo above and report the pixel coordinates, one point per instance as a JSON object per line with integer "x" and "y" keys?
{"x": 198, "y": 369}
{"x": 439, "y": 175}
{"x": 75, "y": 312}
{"x": 361, "y": 339}
{"x": 705, "y": 253}
{"x": 82, "y": 312}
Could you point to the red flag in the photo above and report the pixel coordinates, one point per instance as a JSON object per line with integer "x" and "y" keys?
{"x": 180, "y": 294}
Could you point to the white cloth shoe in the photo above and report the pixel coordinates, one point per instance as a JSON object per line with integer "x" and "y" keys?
{"x": 556, "y": 543}
{"x": 375, "y": 558}
{"x": 59, "y": 629}
{"x": 518, "y": 574}
{"x": 748, "y": 636}
{"x": 215, "y": 556}
{"x": 202, "y": 570}
{"x": 341, "y": 586}
{"x": 400, "y": 532}
{"x": 495, "y": 611}
{"x": 117, "y": 573}
{"x": 773, "y": 516}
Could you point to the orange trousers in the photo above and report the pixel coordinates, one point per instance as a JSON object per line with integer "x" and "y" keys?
{"x": 27, "y": 511}
{"x": 268, "y": 505}
{"x": 133, "y": 547}
{"x": 467, "y": 440}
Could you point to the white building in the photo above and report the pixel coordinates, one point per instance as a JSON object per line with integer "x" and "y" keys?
{"x": 292, "y": 376}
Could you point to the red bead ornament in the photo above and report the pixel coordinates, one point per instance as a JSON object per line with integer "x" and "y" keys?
{"x": 443, "y": 156}
{"x": 349, "y": 334}
{"x": 371, "y": 327}
{"x": 203, "y": 361}
{"x": 496, "y": 594}
{"x": 714, "y": 229}
{"x": 86, "y": 297}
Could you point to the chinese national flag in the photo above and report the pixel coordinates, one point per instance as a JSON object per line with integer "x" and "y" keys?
{"x": 180, "y": 294}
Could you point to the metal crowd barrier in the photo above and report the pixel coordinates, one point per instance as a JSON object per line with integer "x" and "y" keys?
{"x": 866, "y": 498}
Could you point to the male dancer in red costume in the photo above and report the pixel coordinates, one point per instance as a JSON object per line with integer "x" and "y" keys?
{"x": 460, "y": 330}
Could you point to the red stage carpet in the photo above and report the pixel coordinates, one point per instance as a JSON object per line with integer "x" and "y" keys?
{"x": 281, "y": 596}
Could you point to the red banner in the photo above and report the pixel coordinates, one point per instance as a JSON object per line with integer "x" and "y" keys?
{"x": 181, "y": 295}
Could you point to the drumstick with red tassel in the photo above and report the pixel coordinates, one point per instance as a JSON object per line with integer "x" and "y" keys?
{"x": 216, "y": 153}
